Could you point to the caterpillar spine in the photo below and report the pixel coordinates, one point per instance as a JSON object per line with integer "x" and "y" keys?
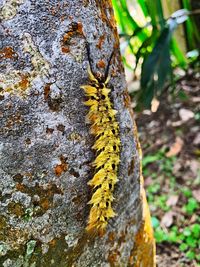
{"x": 105, "y": 128}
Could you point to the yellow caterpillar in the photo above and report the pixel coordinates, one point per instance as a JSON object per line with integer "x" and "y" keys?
{"x": 105, "y": 129}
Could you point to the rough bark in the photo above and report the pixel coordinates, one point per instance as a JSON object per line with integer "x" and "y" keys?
{"x": 45, "y": 149}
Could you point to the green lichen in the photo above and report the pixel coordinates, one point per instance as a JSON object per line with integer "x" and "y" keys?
{"x": 40, "y": 65}
{"x": 9, "y": 9}
{"x": 12, "y": 263}
{"x": 29, "y": 251}
{"x": 28, "y": 214}
{"x": 30, "y": 247}
{"x": 3, "y": 249}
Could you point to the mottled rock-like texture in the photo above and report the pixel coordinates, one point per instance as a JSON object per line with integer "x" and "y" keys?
{"x": 45, "y": 144}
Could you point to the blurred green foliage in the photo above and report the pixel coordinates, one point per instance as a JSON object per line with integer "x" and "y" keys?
{"x": 183, "y": 234}
{"x": 153, "y": 45}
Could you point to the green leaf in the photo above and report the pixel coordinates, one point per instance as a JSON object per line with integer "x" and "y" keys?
{"x": 196, "y": 230}
{"x": 191, "y": 241}
{"x": 191, "y": 206}
{"x": 178, "y": 54}
{"x": 30, "y": 247}
{"x": 155, "y": 222}
{"x": 160, "y": 235}
{"x": 153, "y": 62}
{"x": 118, "y": 16}
{"x": 149, "y": 159}
{"x": 190, "y": 255}
{"x": 193, "y": 35}
{"x": 143, "y": 51}
{"x": 175, "y": 229}
{"x": 157, "y": 66}
{"x": 131, "y": 24}
{"x": 183, "y": 247}
{"x": 186, "y": 232}
{"x": 181, "y": 237}
{"x": 160, "y": 13}
{"x": 183, "y": 96}
{"x": 154, "y": 188}
{"x": 198, "y": 258}
{"x": 186, "y": 191}
{"x": 172, "y": 237}
{"x": 152, "y": 11}
{"x": 143, "y": 7}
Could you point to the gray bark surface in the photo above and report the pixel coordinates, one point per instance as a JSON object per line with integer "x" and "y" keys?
{"x": 45, "y": 144}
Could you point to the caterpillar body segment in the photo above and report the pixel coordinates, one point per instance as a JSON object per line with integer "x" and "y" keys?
{"x": 105, "y": 128}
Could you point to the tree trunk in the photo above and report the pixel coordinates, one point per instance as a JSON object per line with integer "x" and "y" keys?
{"x": 45, "y": 149}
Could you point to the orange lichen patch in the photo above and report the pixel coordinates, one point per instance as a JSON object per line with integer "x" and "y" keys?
{"x": 60, "y": 168}
{"x": 75, "y": 29}
{"x": 46, "y": 90}
{"x": 8, "y": 52}
{"x": 44, "y": 203}
{"x": 111, "y": 237}
{"x": 49, "y": 130}
{"x": 101, "y": 64}
{"x": 68, "y": 35}
{"x": 113, "y": 258}
{"x": 46, "y": 195}
{"x": 20, "y": 187}
{"x": 14, "y": 82}
{"x": 52, "y": 242}
{"x": 24, "y": 83}
{"x": 80, "y": 28}
{"x": 65, "y": 49}
{"x": 144, "y": 241}
{"x": 101, "y": 41}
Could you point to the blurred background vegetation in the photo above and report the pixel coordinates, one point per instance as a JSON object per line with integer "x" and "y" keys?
{"x": 151, "y": 46}
{"x": 160, "y": 46}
